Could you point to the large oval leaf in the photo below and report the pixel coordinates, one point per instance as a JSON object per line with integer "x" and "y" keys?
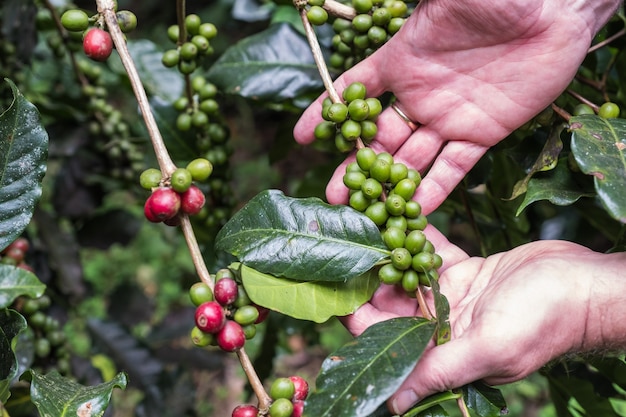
{"x": 302, "y": 239}
{"x": 274, "y": 65}
{"x": 315, "y": 301}
{"x": 15, "y": 282}
{"x": 23, "y": 154}
{"x": 599, "y": 146}
{"x": 364, "y": 373}
{"x": 57, "y": 396}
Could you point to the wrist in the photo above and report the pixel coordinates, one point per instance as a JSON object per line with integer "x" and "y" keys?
{"x": 605, "y": 327}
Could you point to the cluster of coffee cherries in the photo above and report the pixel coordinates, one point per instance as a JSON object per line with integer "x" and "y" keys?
{"x": 97, "y": 42}
{"x": 15, "y": 254}
{"x": 192, "y": 45}
{"x": 49, "y": 340}
{"x": 225, "y": 316}
{"x": 345, "y": 122}
{"x": 177, "y": 194}
{"x": 607, "y": 110}
{"x": 376, "y": 21}
{"x": 287, "y": 394}
{"x": 384, "y": 190}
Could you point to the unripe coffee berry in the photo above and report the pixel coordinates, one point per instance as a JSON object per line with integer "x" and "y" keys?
{"x": 401, "y": 258}
{"x": 200, "y": 293}
{"x": 609, "y": 110}
{"x": 282, "y": 388}
{"x": 365, "y": 158}
{"x": 181, "y": 180}
{"x": 225, "y": 291}
{"x": 200, "y": 169}
{"x": 200, "y": 338}
{"x": 126, "y": 20}
{"x": 246, "y": 315}
{"x": 354, "y": 91}
{"x": 231, "y": 337}
{"x": 317, "y": 15}
{"x": 75, "y": 20}
{"x": 281, "y": 407}
{"x": 98, "y": 44}
{"x": 150, "y": 178}
{"x": 210, "y": 317}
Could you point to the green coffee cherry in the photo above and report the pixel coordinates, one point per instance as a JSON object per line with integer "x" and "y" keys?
{"x": 354, "y": 91}
{"x": 75, "y": 20}
{"x": 609, "y": 110}
{"x": 200, "y": 169}
{"x": 395, "y": 204}
{"x": 282, "y": 388}
{"x": 317, "y": 15}
{"x": 371, "y": 188}
{"x": 359, "y": 201}
{"x": 351, "y": 130}
{"x": 388, "y": 274}
{"x": 377, "y": 213}
{"x": 246, "y": 315}
{"x": 415, "y": 241}
{"x": 150, "y": 178}
{"x": 181, "y": 180}
{"x": 401, "y": 258}
{"x": 200, "y": 293}
{"x": 354, "y": 180}
{"x": 380, "y": 170}
{"x": 394, "y": 237}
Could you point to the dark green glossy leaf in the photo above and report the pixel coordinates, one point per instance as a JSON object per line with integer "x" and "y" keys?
{"x": 57, "y": 396}
{"x": 558, "y": 187}
{"x": 430, "y": 406}
{"x": 546, "y": 160}
{"x": 483, "y": 400}
{"x": 275, "y": 65}
{"x": 360, "y": 376}
{"x": 16, "y": 281}
{"x": 599, "y": 146}
{"x": 315, "y": 301}
{"x": 302, "y": 239}
{"x": 11, "y": 323}
{"x": 23, "y": 154}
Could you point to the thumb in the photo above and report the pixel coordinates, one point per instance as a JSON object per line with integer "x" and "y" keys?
{"x": 366, "y": 72}
{"x": 440, "y": 368}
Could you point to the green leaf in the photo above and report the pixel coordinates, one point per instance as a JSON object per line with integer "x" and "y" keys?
{"x": 11, "y": 323}
{"x": 302, "y": 239}
{"x": 57, "y": 396}
{"x": 23, "y": 154}
{"x": 430, "y": 406}
{"x": 546, "y": 160}
{"x": 434, "y": 411}
{"x": 315, "y": 301}
{"x": 363, "y": 374}
{"x": 558, "y": 186}
{"x": 599, "y": 148}
{"x": 274, "y": 65}
{"x": 15, "y": 282}
{"x": 484, "y": 400}
{"x": 442, "y": 311}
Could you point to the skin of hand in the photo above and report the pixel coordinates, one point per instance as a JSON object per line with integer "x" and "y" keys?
{"x": 470, "y": 72}
{"x": 510, "y": 313}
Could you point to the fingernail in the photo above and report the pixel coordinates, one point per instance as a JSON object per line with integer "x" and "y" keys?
{"x": 403, "y": 401}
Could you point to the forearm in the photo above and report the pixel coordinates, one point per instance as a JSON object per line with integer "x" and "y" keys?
{"x": 606, "y": 315}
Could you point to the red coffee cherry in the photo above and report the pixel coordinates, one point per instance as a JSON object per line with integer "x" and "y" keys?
{"x": 302, "y": 387}
{"x": 192, "y": 200}
{"x": 225, "y": 291}
{"x": 98, "y": 44}
{"x": 245, "y": 411}
{"x": 162, "y": 204}
{"x": 298, "y": 408}
{"x": 210, "y": 317}
{"x": 231, "y": 337}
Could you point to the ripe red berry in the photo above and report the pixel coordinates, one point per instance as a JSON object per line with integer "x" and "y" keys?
{"x": 225, "y": 291}
{"x": 97, "y": 44}
{"x": 263, "y": 313}
{"x": 245, "y": 411}
{"x": 15, "y": 253}
{"x": 20, "y": 243}
{"x": 298, "y": 408}
{"x": 210, "y": 317}
{"x": 162, "y": 204}
{"x": 231, "y": 337}
{"x": 192, "y": 200}
{"x": 302, "y": 387}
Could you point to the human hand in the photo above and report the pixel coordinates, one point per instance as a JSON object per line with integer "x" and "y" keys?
{"x": 510, "y": 313}
{"x": 470, "y": 72}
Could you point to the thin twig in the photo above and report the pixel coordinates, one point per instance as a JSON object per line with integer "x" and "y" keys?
{"x": 460, "y": 402}
{"x": 607, "y": 41}
{"x": 194, "y": 251}
{"x": 561, "y": 112}
{"x": 106, "y": 8}
{"x": 421, "y": 301}
{"x": 339, "y": 9}
{"x": 582, "y": 99}
{"x": 257, "y": 386}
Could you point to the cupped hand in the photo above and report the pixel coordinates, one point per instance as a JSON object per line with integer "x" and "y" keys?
{"x": 510, "y": 314}
{"x": 470, "y": 72}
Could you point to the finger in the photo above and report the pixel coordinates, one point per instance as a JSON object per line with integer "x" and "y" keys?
{"x": 453, "y": 163}
{"x": 439, "y": 369}
{"x": 451, "y": 254}
{"x": 364, "y": 317}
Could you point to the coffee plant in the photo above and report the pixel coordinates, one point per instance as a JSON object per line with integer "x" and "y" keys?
{"x": 158, "y": 223}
